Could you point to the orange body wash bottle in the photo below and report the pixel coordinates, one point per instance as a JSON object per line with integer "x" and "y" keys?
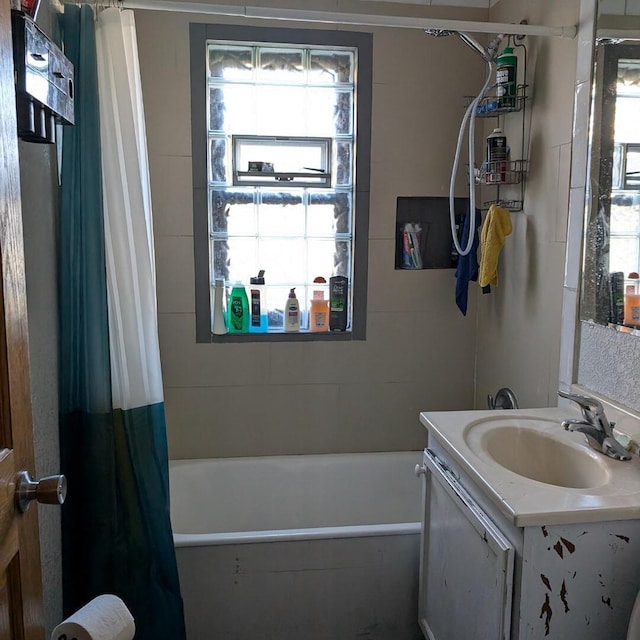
{"x": 319, "y": 311}
{"x": 632, "y": 301}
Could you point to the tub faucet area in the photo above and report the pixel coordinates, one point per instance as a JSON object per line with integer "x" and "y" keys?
{"x": 505, "y": 399}
{"x": 595, "y": 426}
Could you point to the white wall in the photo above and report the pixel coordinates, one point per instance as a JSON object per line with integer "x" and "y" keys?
{"x": 519, "y": 322}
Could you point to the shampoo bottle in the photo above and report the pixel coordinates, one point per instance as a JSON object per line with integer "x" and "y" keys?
{"x": 616, "y": 311}
{"x": 258, "y": 302}
{"x": 506, "y": 73}
{"x": 219, "y": 322}
{"x": 292, "y": 312}
{"x": 338, "y": 297}
{"x": 238, "y": 311}
{"x": 497, "y": 152}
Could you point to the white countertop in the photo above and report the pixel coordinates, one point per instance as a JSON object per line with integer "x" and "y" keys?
{"x": 528, "y": 502}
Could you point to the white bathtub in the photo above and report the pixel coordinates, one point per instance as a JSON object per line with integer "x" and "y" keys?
{"x": 320, "y": 547}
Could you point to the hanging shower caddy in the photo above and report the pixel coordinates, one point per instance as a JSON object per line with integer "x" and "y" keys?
{"x": 505, "y": 173}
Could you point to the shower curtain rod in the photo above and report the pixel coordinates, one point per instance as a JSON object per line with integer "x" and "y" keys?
{"x": 350, "y": 18}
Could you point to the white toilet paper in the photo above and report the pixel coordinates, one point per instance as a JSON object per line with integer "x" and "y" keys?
{"x": 104, "y": 618}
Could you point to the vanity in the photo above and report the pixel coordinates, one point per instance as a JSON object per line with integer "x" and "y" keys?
{"x": 528, "y": 533}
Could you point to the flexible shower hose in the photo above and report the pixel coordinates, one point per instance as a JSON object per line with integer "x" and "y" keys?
{"x": 469, "y": 115}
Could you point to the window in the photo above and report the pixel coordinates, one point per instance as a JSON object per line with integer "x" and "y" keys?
{"x": 281, "y": 138}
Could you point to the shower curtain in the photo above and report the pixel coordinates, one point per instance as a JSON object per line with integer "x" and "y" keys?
{"x": 116, "y": 530}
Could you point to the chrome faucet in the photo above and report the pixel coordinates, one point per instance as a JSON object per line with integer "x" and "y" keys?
{"x": 595, "y": 426}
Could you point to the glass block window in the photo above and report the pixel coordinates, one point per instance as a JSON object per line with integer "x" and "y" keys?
{"x": 284, "y": 127}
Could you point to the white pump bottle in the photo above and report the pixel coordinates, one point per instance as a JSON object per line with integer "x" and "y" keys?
{"x": 292, "y": 312}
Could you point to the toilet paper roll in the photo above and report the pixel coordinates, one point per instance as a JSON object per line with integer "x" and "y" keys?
{"x": 104, "y": 618}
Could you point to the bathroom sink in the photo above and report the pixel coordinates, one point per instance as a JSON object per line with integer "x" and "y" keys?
{"x": 531, "y": 469}
{"x": 537, "y": 449}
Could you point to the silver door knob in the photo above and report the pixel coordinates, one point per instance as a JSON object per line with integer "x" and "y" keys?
{"x": 420, "y": 470}
{"x": 49, "y": 490}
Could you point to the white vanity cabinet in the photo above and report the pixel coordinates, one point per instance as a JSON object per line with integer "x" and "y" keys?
{"x": 484, "y": 578}
{"x": 467, "y": 563}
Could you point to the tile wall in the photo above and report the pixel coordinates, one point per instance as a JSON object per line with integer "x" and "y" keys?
{"x": 519, "y": 324}
{"x": 285, "y": 398}
{"x": 420, "y": 352}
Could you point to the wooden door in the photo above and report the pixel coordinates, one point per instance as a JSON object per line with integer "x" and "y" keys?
{"x": 20, "y": 575}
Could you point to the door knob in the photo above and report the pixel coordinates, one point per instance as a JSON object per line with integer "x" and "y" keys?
{"x": 49, "y": 490}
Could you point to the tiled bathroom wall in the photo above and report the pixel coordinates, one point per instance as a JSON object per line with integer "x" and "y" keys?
{"x": 619, "y": 7}
{"x": 519, "y": 323}
{"x": 420, "y": 352}
{"x": 280, "y": 398}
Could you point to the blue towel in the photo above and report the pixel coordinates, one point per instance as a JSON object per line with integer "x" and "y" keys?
{"x": 467, "y": 270}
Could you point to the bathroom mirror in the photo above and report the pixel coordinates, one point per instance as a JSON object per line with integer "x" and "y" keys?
{"x": 612, "y": 243}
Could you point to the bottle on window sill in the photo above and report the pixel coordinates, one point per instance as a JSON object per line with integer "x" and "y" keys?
{"x": 219, "y": 321}
{"x": 292, "y": 312}
{"x": 238, "y": 310}
{"x": 319, "y": 311}
{"x": 338, "y": 295}
{"x": 632, "y": 301}
{"x": 259, "y": 320}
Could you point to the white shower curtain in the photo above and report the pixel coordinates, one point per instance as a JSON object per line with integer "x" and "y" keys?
{"x": 136, "y": 441}
{"x": 133, "y": 334}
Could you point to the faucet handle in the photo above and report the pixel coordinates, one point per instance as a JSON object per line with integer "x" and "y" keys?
{"x": 591, "y": 407}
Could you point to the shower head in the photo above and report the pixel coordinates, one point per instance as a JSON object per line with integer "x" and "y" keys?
{"x": 487, "y": 54}
{"x": 474, "y": 44}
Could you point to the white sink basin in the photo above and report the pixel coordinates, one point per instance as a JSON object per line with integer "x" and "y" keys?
{"x": 533, "y": 470}
{"x": 526, "y": 448}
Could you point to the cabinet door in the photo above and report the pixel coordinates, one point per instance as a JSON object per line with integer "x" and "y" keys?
{"x": 466, "y": 571}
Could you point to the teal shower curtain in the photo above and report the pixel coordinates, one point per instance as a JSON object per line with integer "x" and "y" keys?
{"x": 115, "y": 523}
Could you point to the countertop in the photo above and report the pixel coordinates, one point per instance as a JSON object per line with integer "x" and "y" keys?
{"x": 527, "y": 502}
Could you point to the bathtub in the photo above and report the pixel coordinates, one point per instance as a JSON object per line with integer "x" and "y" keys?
{"x": 320, "y": 547}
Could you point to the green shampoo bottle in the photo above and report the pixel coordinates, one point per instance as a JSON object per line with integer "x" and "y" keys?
{"x": 506, "y": 79}
{"x": 238, "y": 310}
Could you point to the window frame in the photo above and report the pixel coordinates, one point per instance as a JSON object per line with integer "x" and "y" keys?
{"x": 200, "y": 33}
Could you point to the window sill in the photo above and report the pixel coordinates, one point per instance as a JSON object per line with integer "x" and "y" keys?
{"x": 281, "y": 336}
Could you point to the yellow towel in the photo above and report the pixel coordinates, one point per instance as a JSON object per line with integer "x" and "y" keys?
{"x": 496, "y": 227}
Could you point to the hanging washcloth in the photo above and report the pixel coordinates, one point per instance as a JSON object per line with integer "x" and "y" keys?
{"x": 467, "y": 269}
{"x": 496, "y": 227}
